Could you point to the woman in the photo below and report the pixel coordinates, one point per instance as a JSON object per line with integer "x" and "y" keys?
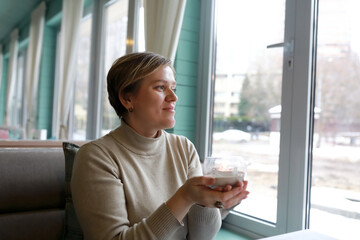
{"x": 138, "y": 181}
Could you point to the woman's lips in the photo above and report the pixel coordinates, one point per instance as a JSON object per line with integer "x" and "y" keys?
{"x": 170, "y": 109}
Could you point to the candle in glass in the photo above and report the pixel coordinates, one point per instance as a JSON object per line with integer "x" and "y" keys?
{"x": 226, "y": 170}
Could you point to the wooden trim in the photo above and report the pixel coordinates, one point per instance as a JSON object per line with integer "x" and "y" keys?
{"x": 36, "y": 144}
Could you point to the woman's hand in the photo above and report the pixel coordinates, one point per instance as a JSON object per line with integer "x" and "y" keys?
{"x": 235, "y": 201}
{"x": 197, "y": 191}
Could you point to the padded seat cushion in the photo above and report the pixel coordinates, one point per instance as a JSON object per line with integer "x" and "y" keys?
{"x": 44, "y": 224}
{"x": 31, "y": 179}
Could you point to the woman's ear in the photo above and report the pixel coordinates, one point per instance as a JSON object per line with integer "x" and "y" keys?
{"x": 125, "y": 100}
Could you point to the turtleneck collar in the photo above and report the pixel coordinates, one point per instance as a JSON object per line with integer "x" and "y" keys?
{"x": 137, "y": 143}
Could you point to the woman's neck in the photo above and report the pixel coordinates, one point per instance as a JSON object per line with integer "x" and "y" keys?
{"x": 145, "y": 133}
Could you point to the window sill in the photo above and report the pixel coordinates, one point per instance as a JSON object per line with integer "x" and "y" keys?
{"x": 229, "y": 235}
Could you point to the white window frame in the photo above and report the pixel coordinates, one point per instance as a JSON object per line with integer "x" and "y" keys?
{"x": 54, "y": 122}
{"x": 293, "y": 184}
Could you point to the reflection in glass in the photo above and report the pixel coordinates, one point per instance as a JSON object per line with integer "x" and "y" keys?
{"x": 335, "y": 192}
{"x": 115, "y": 46}
{"x": 247, "y": 95}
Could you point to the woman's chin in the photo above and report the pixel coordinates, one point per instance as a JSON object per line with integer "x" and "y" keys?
{"x": 170, "y": 123}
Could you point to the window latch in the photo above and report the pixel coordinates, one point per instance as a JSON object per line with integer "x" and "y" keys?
{"x": 288, "y": 50}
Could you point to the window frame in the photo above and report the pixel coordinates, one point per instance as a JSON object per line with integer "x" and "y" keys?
{"x": 54, "y": 122}
{"x": 295, "y": 141}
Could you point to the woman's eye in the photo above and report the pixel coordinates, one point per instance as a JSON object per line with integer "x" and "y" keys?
{"x": 160, "y": 88}
{"x": 174, "y": 90}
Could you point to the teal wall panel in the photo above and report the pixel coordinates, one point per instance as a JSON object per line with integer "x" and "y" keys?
{"x": 3, "y": 89}
{"x": 186, "y": 66}
{"x": 188, "y": 96}
{"x": 46, "y": 80}
{"x": 189, "y": 36}
{"x": 191, "y": 23}
{"x": 183, "y": 79}
{"x": 184, "y": 118}
{"x": 193, "y": 9}
{"x": 188, "y": 51}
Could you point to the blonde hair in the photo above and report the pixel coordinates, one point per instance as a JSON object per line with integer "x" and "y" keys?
{"x": 126, "y": 73}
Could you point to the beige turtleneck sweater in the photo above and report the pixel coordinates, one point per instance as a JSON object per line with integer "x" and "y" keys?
{"x": 120, "y": 184}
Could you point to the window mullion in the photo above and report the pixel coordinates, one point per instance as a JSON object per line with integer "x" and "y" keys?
{"x": 95, "y": 84}
{"x": 293, "y": 166}
{"x": 205, "y": 73}
{"x": 133, "y": 24}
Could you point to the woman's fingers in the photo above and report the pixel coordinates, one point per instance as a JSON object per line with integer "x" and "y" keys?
{"x": 245, "y": 183}
{"x": 199, "y": 191}
{"x": 236, "y": 199}
{"x": 235, "y": 196}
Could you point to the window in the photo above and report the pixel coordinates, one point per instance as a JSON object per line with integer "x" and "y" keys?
{"x": 264, "y": 54}
{"x": 335, "y": 191}
{"x": 301, "y": 111}
{"x": 242, "y": 51}
{"x": 79, "y": 113}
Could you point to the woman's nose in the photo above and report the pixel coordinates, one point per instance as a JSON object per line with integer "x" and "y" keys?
{"x": 171, "y": 96}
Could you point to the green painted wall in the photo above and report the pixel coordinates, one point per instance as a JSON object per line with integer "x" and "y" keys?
{"x": 3, "y": 87}
{"x": 47, "y": 67}
{"x": 186, "y": 66}
{"x": 46, "y": 80}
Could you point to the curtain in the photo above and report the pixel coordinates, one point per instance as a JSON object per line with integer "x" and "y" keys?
{"x": 11, "y": 75}
{"x": 72, "y": 11}
{"x": 33, "y": 64}
{"x": 163, "y": 21}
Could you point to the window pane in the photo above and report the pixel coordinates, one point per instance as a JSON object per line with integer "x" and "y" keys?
{"x": 247, "y": 95}
{"x": 82, "y": 80}
{"x": 115, "y": 47}
{"x": 335, "y": 193}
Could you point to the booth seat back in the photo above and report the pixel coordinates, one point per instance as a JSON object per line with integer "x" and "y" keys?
{"x": 32, "y": 193}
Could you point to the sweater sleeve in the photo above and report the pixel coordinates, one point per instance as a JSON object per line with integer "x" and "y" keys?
{"x": 203, "y": 223}
{"x": 100, "y": 204}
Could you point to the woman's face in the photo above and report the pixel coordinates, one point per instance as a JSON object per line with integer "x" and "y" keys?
{"x": 154, "y": 103}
